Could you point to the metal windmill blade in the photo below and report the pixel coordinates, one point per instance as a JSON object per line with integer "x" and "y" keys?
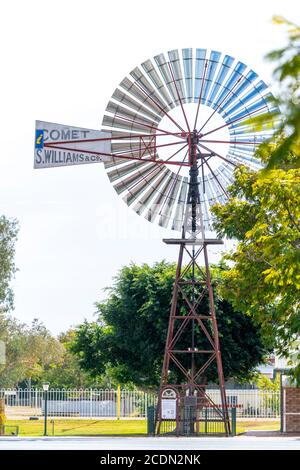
{"x": 154, "y": 111}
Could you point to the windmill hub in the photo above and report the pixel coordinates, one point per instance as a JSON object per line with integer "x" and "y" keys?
{"x": 172, "y": 141}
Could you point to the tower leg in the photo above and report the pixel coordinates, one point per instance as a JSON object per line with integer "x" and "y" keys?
{"x": 217, "y": 344}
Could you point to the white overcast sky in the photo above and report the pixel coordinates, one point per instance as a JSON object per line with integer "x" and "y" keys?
{"x": 60, "y": 62}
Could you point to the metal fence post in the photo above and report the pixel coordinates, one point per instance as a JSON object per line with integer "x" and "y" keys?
{"x": 119, "y": 401}
{"x": 145, "y": 403}
{"x": 233, "y": 421}
{"x": 281, "y": 403}
{"x": 205, "y": 420}
{"x": 256, "y": 403}
{"x": 150, "y": 420}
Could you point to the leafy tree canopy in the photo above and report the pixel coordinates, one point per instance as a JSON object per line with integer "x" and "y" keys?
{"x": 34, "y": 355}
{"x": 66, "y": 371}
{"x": 263, "y": 214}
{"x": 29, "y": 349}
{"x": 283, "y": 150}
{"x": 129, "y": 337}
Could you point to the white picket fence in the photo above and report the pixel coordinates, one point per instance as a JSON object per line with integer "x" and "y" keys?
{"x": 92, "y": 403}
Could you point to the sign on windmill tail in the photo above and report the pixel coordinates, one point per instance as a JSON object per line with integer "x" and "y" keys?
{"x": 61, "y": 145}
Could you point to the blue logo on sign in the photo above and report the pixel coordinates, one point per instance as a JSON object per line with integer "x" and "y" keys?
{"x": 39, "y": 139}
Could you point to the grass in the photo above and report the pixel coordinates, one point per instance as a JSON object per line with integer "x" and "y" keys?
{"x": 254, "y": 425}
{"x": 88, "y": 427}
{"x": 80, "y": 427}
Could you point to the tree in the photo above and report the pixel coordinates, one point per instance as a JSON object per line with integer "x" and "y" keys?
{"x": 129, "y": 337}
{"x": 263, "y": 214}
{"x": 66, "y": 372}
{"x": 8, "y": 236}
{"x": 10, "y": 333}
{"x": 40, "y": 351}
{"x": 33, "y": 356}
{"x": 283, "y": 149}
{"x": 28, "y": 351}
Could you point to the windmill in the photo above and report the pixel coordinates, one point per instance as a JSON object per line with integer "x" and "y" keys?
{"x": 172, "y": 135}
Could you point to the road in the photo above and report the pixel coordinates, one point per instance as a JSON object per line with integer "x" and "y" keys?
{"x": 149, "y": 443}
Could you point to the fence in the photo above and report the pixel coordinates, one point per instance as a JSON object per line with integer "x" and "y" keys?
{"x": 93, "y": 403}
{"x": 250, "y": 403}
{"x": 89, "y": 403}
{"x": 193, "y": 422}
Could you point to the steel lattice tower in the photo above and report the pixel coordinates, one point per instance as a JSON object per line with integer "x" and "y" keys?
{"x": 192, "y": 283}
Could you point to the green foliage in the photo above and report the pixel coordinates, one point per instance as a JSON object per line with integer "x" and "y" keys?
{"x": 66, "y": 372}
{"x": 28, "y": 351}
{"x": 264, "y": 383}
{"x": 283, "y": 150}
{"x": 32, "y": 353}
{"x": 40, "y": 350}
{"x": 288, "y": 57}
{"x": 33, "y": 356}
{"x": 130, "y": 334}
{"x": 8, "y": 236}
{"x": 263, "y": 214}
{"x": 271, "y": 401}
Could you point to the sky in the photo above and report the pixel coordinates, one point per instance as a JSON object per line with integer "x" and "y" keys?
{"x": 60, "y": 62}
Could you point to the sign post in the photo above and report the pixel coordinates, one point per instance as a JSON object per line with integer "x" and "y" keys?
{"x": 169, "y": 404}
